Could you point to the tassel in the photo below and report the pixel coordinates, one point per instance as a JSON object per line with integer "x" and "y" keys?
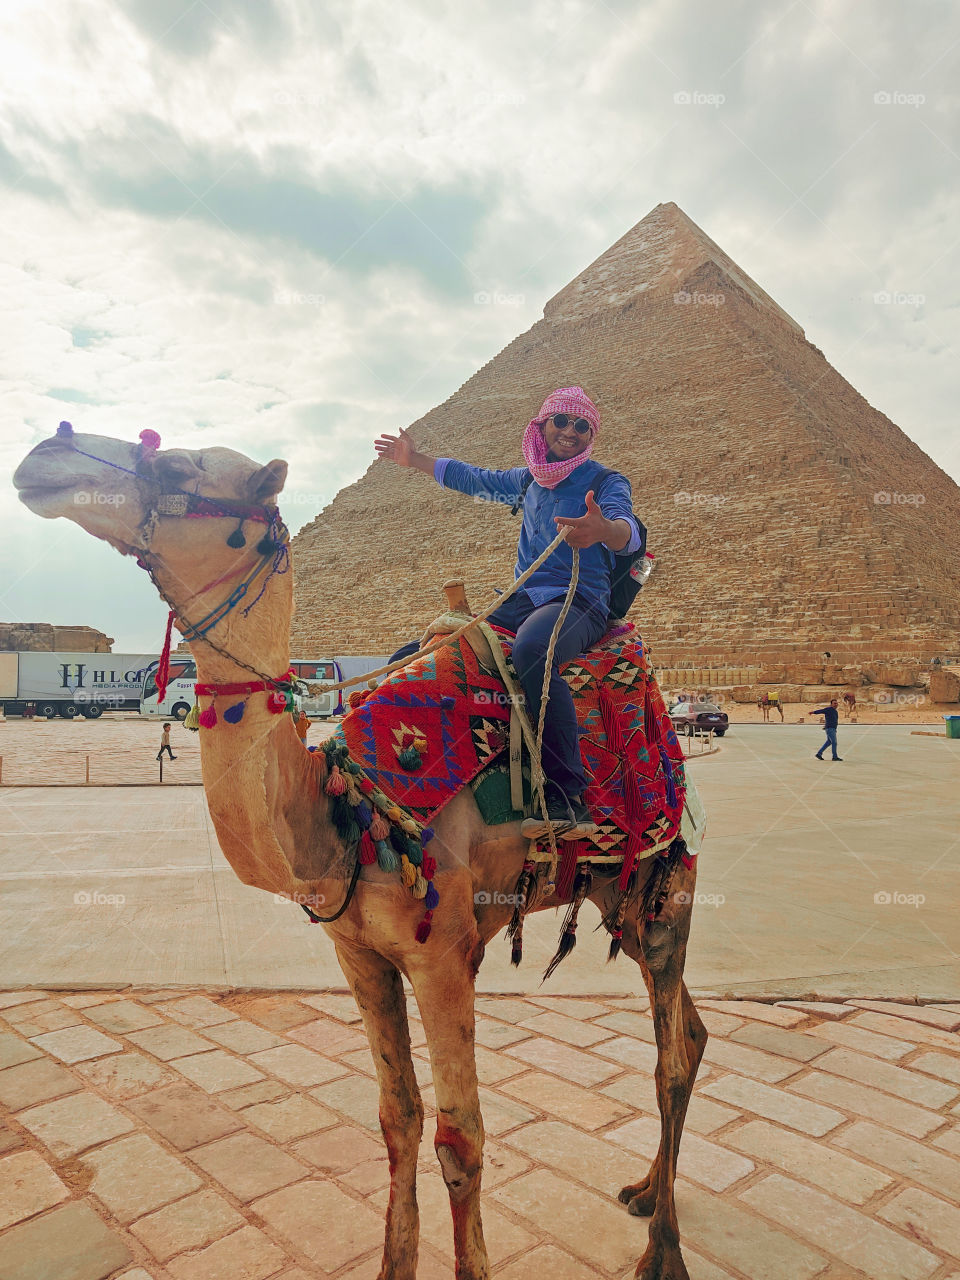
{"x": 276, "y": 702}
{"x": 410, "y": 759}
{"x": 366, "y": 786}
{"x": 192, "y": 719}
{"x": 408, "y": 872}
{"x": 368, "y": 850}
{"x": 363, "y": 814}
{"x": 351, "y": 766}
{"x": 432, "y": 898}
{"x": 420, "y": 744}
{"x": 394, "y": 814}
{"x": 379, "y": 827}
{"x": 162, "y": 677}
{"x": 336, "y": 783}
{"x": 409, "y": 826}
{"x": 516, "y": 951}
{"x": 668, "y": 774}
{"x": 615, "y": 940}
{"x": 521, "y": 894}
{"x": 426, "y": 835}
{"x": 386, "y": 859}
{"x": 234, "y": 713}
{"x": 423, "y": 928}
{"x": 568, "y": 939}
{"x": 429, "y": 866}
{"x": 207, "y": 719}
{"x": 419, "y": 888}
{"x": 353, "y": 795}
{"x": 236, "y": 538}
{"x": 414, "y": 852}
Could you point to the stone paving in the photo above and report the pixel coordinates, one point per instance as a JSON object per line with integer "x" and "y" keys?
{"x": 171, "y": 1135}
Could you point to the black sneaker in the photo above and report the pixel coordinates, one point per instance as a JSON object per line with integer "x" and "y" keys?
{"x": 561, "y": 817}
{"x": 583, "y": 824}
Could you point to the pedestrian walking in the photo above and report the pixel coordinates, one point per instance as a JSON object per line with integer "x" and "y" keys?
{"x": 165, "y": 744}
{"x": 302, "y": 724}
{"x": 831, "y": 716}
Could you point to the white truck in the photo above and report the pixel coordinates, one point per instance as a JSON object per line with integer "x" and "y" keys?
{"x": 71, "y": 684}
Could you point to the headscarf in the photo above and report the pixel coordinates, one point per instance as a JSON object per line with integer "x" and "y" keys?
{"x": 576, "y": 402}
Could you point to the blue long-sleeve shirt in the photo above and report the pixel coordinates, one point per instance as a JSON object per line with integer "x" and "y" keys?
{"x": 612, "y": 493}
{"x": 830, "y": 715}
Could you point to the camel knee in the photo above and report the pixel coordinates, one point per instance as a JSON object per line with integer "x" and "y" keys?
{"x": 402, "y": 1130}
{"x": 461, "y": 1159}
{"x": 658, "y": 943}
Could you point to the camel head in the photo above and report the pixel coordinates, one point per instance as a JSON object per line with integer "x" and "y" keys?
{"x": 126, "y": 494}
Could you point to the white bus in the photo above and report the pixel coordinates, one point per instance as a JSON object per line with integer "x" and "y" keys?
{"x": 180, "y": 696}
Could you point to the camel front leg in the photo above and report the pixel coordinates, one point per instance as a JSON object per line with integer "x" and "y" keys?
{"x": 443, "y": 982}
{"x": 378, "y": 990}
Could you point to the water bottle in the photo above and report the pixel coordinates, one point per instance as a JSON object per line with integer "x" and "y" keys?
{"x": 641, "y": 572}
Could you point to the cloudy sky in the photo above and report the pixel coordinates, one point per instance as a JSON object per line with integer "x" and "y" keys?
{"x": 266, "y": 223}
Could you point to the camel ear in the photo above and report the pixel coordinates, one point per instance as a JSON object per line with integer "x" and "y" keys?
{"x": 268, "y": 481}
{"x": 172, "y": 468}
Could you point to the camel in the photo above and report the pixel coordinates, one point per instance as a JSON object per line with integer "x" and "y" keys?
{"x": 272, "y": 818}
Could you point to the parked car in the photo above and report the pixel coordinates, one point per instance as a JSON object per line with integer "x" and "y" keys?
{"x": 699, "y": 717}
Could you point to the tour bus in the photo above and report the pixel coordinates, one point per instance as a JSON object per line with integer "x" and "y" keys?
{"x": 183, "y": 674}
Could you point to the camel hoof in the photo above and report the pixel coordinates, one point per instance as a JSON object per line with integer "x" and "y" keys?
{"x": 666, "y": 1264}
{"x": 640, "y": 1199}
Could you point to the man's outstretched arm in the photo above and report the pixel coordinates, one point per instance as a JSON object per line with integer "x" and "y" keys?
{"x": 400, "y": 449}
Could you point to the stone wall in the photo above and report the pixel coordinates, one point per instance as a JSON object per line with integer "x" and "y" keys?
{"x": 44, "y": 637}
{"x": 760, "y": 472}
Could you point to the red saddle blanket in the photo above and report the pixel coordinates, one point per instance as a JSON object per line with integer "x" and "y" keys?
{"x": 428, "y": 730}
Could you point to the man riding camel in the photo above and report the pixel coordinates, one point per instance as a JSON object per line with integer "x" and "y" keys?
{"x": 560, "y": 487}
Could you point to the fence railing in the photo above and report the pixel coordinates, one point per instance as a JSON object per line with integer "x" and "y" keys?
{"x": 108, "y": 768}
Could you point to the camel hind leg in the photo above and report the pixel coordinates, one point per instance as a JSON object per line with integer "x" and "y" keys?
{"x": 378, "y": 990}
{"x": 659, "y": 947}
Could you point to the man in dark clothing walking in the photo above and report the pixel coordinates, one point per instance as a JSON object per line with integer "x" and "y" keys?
{"x": 830, "y": 718}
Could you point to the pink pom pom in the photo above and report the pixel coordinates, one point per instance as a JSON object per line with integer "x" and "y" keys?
{"x": 149, "y": 439}
{"x": 336, "y": 783}
{"x": 379, "y": 827}
{"x": 207, "y": 719}
{"x": 276, "y": 702}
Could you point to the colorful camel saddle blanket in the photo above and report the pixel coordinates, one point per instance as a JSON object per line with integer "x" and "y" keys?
{"x": 440, "y": 722}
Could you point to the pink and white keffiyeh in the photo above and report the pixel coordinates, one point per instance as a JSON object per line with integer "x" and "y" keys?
{"x": 576, "y": 402}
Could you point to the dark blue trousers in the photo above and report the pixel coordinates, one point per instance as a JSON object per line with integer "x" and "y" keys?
{"x": 533, "y": 624}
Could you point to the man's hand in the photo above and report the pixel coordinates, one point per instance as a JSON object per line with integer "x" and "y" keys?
{"x": 398, "y": 449}
{"x": 594, "y": 527}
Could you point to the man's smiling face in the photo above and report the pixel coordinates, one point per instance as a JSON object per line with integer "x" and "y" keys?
{"x": 564, "y": 442}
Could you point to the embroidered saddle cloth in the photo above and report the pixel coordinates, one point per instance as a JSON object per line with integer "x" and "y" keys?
{"x": 432, "y": 727}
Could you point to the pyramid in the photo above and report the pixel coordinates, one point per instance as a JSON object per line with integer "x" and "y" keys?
{"x": 788, "y": 516}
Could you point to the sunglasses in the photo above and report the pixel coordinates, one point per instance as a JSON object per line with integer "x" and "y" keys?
{"x": 580, "y": 425}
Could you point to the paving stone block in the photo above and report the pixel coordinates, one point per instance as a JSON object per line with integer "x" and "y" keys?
{"x": 832, "y": 1171}
{"x": 292, "y": 1117}
{"x": 216, "y": 1070}
{"x": 945, "y": 1019}
{"x": 819, "y": 1008}
{"x": 196, "y": 1011}
{"x": 323, "y": 1222}
{"x": 546, "y": 1260}
{"x": 741, "y": 1240}
{"x": 188, "y": 1224}
{"x": 33, "y": 1082}
{"x": 13, "y": 1050}
{"x": 637, "y": 1090}
{"x": 701, "y": 1161}
{"x": 328, "y": 1036}
{"x": 938, "y": 1064}
{"x": 76, "y": 1044}
{"x": 297, "y": 1065}
{"x": 241, "y": 1036}
{"x": 124, "y": 1075}
{"x": 847, "y": 1234}
{"x": 776, "y": 1040}
{"x": 850, "y": 1036}
{"x": 775, "y": 1014}
{"x": 506, "y": 1010}
{"x": 918, "y": 1033}
{"x": 500, "y": 1114}
{"x": 335, "y": 1151}
{"x": 900, "y": 1081}
{"x": 262, "y": 1091}
{"x": 10, "y": 999}
{"x": 169, "y": 1041}
{"x": 121, "y": 1016}
{"x": 356, "y": 1097}
{"x": 342, "y": 1007}
{"x": 866, "y": 1101}
{"x": 905, "y": 1156}
{"x": 719, "y": 1024}
{"x": 564, "y": 1061}
{"x": 628, "y": 1051}
{"x": 186, "y": 1117}
{"x": 27, "y": 1186}
{"x": 572, "y": 1006}
{"x": 569, "y": 1030}
{"x": 774, "y": 1104}
{"x": 497, "y": 1035}
{"x": 627, "y": 1023}
{"x": 749, "y": 1062}
{"x": 928, "y": 1219}
{"x": 71, "y": 1243}
{"x": 573, "y": 1154}
{"x": 583, "y": 1107}
{"x": 247, "y": 1165}
{"x": 70, "y": 1125}
{"x": 134, "y": 1175}
{"x": 247, "y": 1254}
